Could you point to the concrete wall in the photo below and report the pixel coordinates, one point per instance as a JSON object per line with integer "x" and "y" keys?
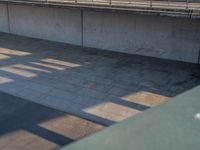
{"x": 162, "y": 37}
{"x": 4, "y": 27}
{"x": 60, "y": 25}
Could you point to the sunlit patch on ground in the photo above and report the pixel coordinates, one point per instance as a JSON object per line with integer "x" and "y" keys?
{"x": 103, "y": 87}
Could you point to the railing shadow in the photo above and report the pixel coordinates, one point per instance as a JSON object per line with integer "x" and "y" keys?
{"x": 101, "y": 86}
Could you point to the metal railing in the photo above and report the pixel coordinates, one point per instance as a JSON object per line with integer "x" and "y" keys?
{"x": 162, "y": 4}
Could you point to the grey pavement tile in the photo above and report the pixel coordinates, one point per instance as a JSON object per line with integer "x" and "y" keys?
{"x": 11, "y": 88}
{"x": 65, "y": 95}
{"x": 63, "y": 104}
{"x": 67, "y": 86}
{"x": 98, "y": 86}
{"x": 87, "y": 101}
{"x": 119, "y": 91}
{"x": 92, "y": 93}
{"x": 32, "y": 95}
{"x": 38, "y": 87}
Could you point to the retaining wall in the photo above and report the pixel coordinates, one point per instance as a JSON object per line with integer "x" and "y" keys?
{"x": 4, "y": 26}
{"x": 156, "y": 36}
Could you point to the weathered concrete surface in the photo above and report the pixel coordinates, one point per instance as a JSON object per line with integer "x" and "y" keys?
{"x": 162, "y": 37}
{"x": 102, "y": 86}
{"x": 170, "y": 38}
{"x": 176, "y": 8}
{"x": 62, "y": 25}
{"x": 4, "y": 27}
{"x": 26, "y": 125}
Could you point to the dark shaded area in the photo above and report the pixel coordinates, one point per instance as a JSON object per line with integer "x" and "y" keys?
{"x": 16, "y": 113}
{"x": 49, "y": 135}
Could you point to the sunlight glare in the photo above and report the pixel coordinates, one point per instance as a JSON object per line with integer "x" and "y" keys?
{"x": 21, "y": 66}
{"x": 5, "y": 80}
{"x": 59, "y": 62}
{"x": 13, "y": 52}
{"x": 19, "y": 72}
{"x": 145, "y": 98}
{"x": 111, "y": 111}
{"x": 48, "y": 66}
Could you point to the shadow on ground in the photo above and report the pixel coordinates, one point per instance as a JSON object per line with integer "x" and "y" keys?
{"x": 102, "y": 86}
{"x": 27, "y": 125}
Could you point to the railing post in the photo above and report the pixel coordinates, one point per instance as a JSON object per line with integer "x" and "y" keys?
{"x": 151, "y": 3}
{"x": 110, "y": 2}
{"x": 187, "y": 1}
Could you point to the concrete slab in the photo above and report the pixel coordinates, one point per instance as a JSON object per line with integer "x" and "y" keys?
{"x": 102, "y": 86}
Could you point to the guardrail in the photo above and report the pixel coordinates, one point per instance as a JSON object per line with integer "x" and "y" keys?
{"x": 165, "y": 4}
{"x": 161, "y": 4}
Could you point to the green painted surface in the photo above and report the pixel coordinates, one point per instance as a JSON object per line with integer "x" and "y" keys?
{"x": 170, "y": 126}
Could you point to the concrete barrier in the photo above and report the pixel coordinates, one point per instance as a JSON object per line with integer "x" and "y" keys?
{"x": 4, "y": 26}
{"x": 62, "y": 25}
{"x": 155, "y": 36}
{"x": 163, "y": 37}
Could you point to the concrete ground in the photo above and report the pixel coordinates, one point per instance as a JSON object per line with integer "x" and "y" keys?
{"x": 104, "y": 87}
{"x": 26, "y": 125}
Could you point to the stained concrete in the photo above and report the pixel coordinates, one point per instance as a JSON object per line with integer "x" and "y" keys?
{"x": 162, "y": 37}
{"x": 154, "y": 36}
{"x": 105, "y": 87}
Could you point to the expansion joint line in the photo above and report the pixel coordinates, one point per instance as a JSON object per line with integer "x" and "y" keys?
{"x": 8, "y": 17}
{"x": 82, "y": 27}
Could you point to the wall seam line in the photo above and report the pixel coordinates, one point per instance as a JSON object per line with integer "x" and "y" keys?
{"x": 8, "y": 17}
{"x": 82, "y": 27}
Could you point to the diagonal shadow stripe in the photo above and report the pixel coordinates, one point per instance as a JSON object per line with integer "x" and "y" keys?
{"x": 133, "y": 105}
{"x": 49, "y": 135}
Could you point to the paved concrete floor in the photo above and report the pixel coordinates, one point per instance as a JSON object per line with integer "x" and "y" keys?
{"x": 102, "y": 86}
{"x": 26, "y": 125}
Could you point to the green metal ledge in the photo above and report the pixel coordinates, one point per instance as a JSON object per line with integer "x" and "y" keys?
{"x": 174, "y": 125}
